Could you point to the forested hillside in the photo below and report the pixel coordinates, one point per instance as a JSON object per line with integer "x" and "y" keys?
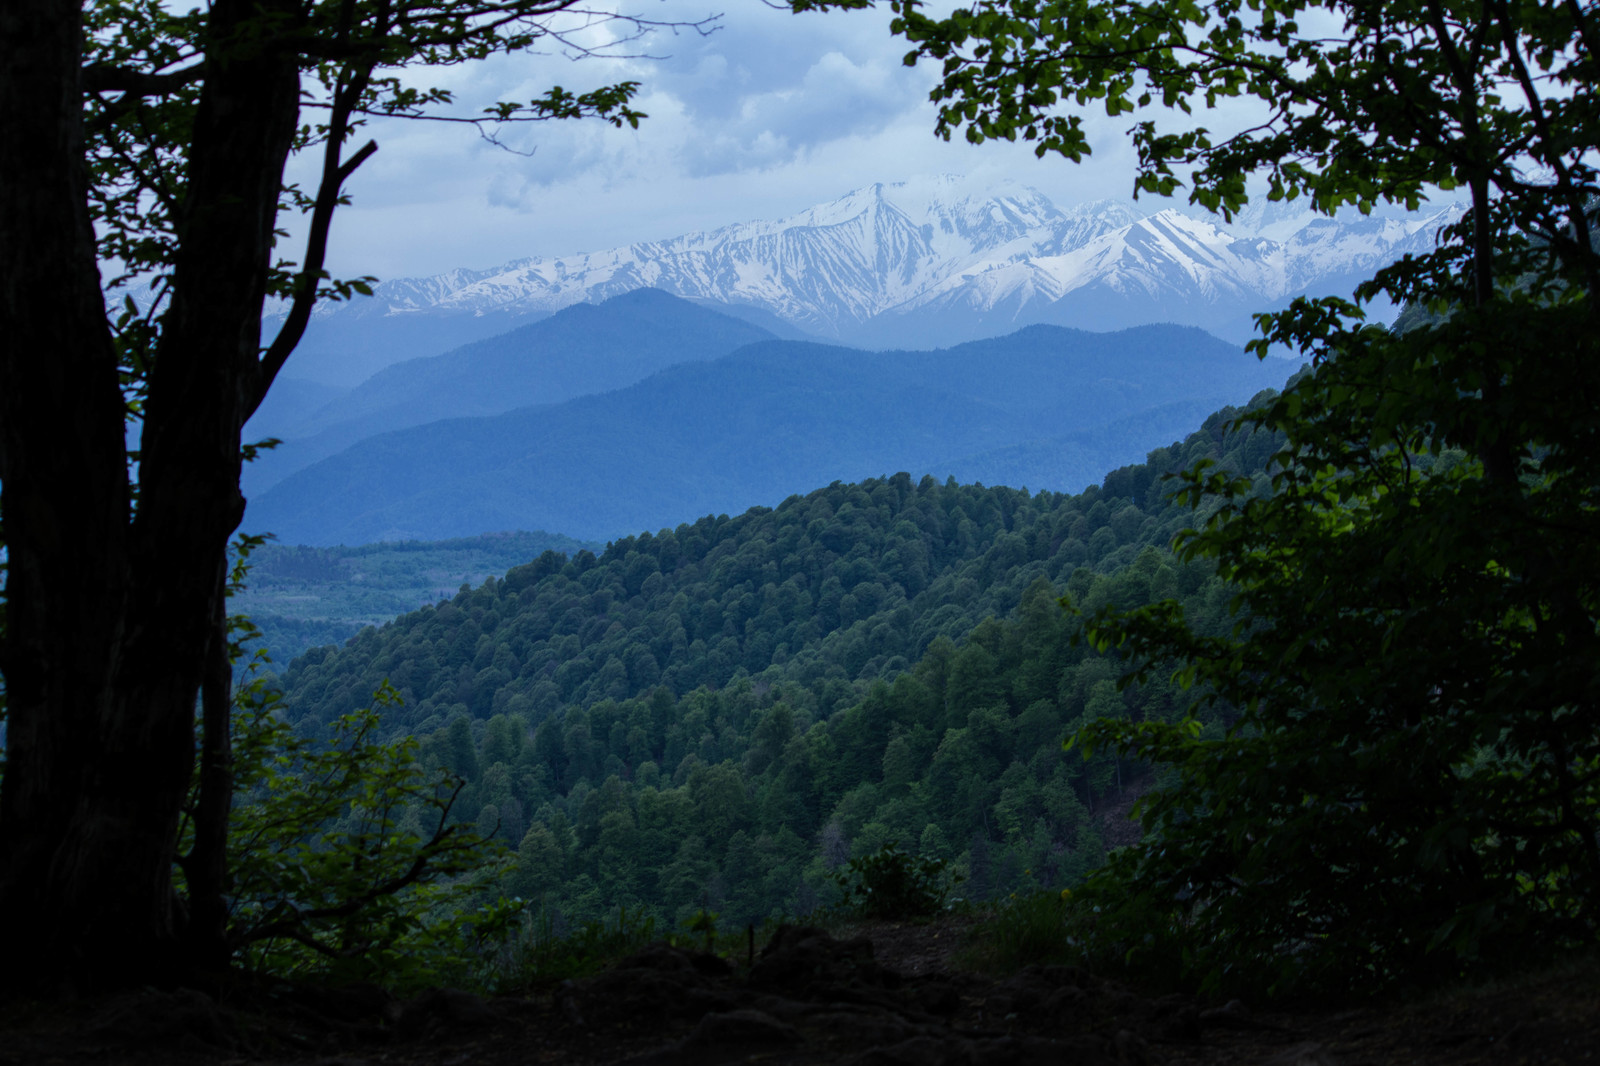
{"x": 720, "y": 714}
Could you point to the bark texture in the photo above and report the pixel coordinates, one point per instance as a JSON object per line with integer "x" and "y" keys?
{"x": 110, "y": 609}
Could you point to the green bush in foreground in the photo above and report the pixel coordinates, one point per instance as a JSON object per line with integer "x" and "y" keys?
{"x": 1028, "y": 929}
{"x": 343, "y": 863}
{"x": 543, "y": 954}
{"x": 890, "y": 883}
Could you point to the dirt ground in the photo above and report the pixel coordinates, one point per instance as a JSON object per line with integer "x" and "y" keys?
{"x": 895, "y": 995}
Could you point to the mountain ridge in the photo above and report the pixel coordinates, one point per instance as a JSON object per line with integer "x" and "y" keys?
{"x": 923, "y": 264}
{"x": 579, "y": 350}
{"x": 721, "y": 435}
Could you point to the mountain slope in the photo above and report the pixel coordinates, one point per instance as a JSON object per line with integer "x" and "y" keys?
{"x": 1166, "y": 267}
{"x": 583, "y": 349}
{"x": 714, "y": 717}
{"x": 1061, "y": 460}
{"x": 749, "y": 428}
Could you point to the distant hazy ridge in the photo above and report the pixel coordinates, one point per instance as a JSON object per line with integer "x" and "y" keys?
{"x": 1046, "y": 407}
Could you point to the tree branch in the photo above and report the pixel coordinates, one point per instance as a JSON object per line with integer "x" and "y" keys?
{"x": 335, "y": 172}
{"x": 105, "y": 78}
{"x": 1551, "y": 151}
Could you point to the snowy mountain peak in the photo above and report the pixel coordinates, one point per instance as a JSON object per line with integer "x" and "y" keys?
{"x": 942, "y": 259}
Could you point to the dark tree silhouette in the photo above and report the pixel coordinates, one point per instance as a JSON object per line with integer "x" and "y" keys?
{"x": 149, "y": 146}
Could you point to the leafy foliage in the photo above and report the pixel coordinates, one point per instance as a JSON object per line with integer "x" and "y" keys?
{"x": 142, "y": 199}
{"x": 146, "y": 73}
{"x": 870, "y": 664}
{"x": 1032, "y": 927}
{"x": 703, "y": 923}
{"x": 1461, "y": 93}
{"x": 890, "y": 883}
{"x": 333, "y": 873}
{"x": 1414, "y": 661}
{"x": 543, "y": 955}
{"x": 1411, "y": 786}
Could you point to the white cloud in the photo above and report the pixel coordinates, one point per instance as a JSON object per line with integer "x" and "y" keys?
{"x": 767, "y": 115}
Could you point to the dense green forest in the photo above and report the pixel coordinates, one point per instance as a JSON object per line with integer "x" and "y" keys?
{"x": 721, "y": 714}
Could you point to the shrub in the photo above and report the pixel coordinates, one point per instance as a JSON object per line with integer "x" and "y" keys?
{"x": 893, "y": 884}
{"x": 545, "y": 955}
{"x": 1024, "y": 930}
{"x": 342, "y": 861}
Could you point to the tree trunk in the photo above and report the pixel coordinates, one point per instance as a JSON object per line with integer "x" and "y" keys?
{"x": 109, "y": 612}
{"x": 205, "y": 868}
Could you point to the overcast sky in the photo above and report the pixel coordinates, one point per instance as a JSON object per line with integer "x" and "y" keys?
{"x": 767, "y": 115}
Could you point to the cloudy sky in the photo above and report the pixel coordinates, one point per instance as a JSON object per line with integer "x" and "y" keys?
{"x": 766, "y": 115}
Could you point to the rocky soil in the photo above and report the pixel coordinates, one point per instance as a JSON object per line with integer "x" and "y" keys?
{"x": 897, "y": 999}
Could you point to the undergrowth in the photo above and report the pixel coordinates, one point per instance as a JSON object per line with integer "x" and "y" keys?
{"x": 546, "y": 954}
{"x": 1031, "y": 928}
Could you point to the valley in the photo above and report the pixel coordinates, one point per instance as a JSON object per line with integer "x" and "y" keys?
{"x": 679, "y": 550}
{"x": 300, "y": 597}
{"x": 717, "y": 716}
{"x": 682, "y": 712}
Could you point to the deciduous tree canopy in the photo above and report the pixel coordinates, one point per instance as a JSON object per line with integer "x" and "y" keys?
{"x": 1412, "y": 787}
{"x": 875, "y": 663}
{"x": 147, "y": 144}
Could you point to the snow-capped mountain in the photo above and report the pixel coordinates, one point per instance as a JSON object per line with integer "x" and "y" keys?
{"x": 825, "y": 270}
{"x": 1170, "y": 266}
{"x": 1164, "y": 264}
{"x": 917, "y": 264}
